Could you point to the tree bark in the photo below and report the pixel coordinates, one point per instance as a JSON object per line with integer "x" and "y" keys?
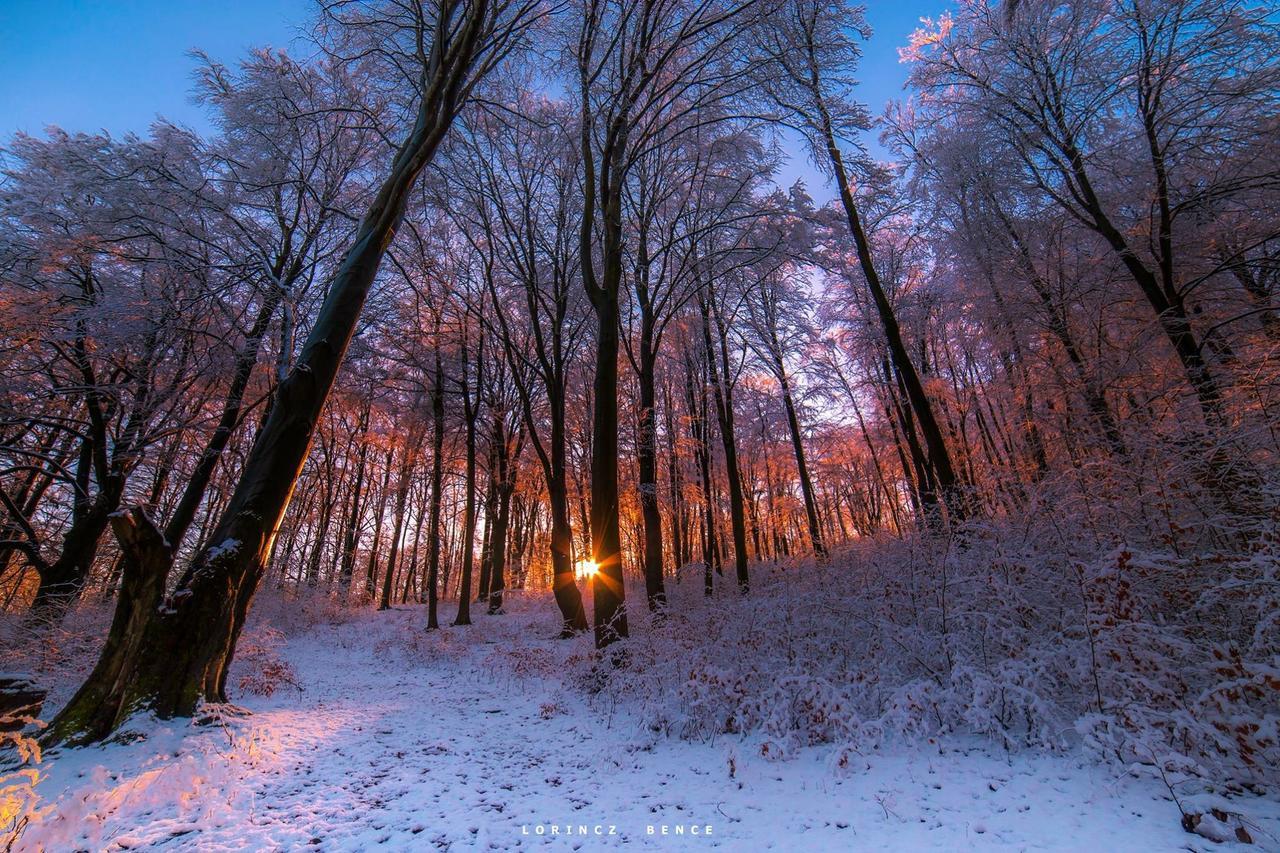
{"x": 437, "y": 492}
{"x": 93, "y": 709}
{"x": 610, "y": 617}
{"x": 723, "y": 396}
{"x": 647, "y": 452}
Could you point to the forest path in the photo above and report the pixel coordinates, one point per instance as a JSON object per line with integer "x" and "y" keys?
{"x": 404, "y": 740}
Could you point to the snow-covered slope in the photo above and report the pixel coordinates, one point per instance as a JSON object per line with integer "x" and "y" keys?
{"x": 469, "y": 738}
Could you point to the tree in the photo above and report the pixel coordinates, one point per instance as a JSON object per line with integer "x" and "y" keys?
{"x": 519, "y": 174}
{"x": 637, "y": 68}
{"x": 1161, "y": 83}
{"x": 687, "y": 191}
{"x": 775, "y": 313}
{"x": 109, "y": 248}
{"x": 812, "y": 55}
{"x": 168, "y": 659}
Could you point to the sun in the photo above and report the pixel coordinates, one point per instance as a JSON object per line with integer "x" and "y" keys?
{"x": 586, "y": 568}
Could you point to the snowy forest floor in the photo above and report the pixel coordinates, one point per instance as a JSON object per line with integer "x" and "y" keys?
{"x": 472, "y": 738}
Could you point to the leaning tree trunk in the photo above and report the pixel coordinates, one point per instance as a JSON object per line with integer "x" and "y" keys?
{"x": 949, "y": 484}
{"x": 802, "y": 466}
{"x": 246, "y": 359}
{"x": 168, "y": 658}
{"x": 93, "y": 709}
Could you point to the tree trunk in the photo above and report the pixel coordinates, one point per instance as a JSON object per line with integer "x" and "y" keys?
{"x": 62, "y": 580}
{"x": 486, "y": 539}
{"x": 939, "y": 456}
{"x": 327, "y": 500}
{"x": 802, "y": 467}
{"x": 94, "y": 709}
{"x": 176, "y": 530}
{"x": 647, "y": 451}
{"x": 724, "y": 411}
{"x": 379, "y": 518}
{"x": 504, "y": 484}
{"x": 698, "y": 427}
{"x": 468, "y": 519}
{"x": 351, "y": 534}
{"x": 437, "y": 493}
{"x": 610, "y": 617}
{"x": 397, "y": 530}
{"x": 678, "y": 537}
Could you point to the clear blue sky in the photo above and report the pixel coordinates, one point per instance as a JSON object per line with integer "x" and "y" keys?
{"x": 90, "y": 65}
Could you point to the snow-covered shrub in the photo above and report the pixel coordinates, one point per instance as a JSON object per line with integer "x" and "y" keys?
{"x": 298, "y": 611}
{"x": 1148, "y": 630}
{"x": 1189, "y": 669}
{"x": 58, "y": 657}
{"x": 523, "y": 661}
{"x": 261, "y": 669}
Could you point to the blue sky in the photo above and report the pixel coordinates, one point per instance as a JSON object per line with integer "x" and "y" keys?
{"x": 90, "y": 65}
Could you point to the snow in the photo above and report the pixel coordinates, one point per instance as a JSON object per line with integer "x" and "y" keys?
{"x": 226, "y": 546}
{"x": 469, "y": 738}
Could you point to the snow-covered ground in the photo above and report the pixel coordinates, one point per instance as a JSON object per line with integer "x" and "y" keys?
{"x": 469, "y": 738}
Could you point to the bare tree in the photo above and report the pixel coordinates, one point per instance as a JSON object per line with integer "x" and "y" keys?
{"x": 638, "y": 68}
{"x": 813, "y": 54}
{"x": 169, "y": 658}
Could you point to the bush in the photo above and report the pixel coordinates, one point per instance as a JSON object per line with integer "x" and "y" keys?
{"x": 262, "y": 670}
{"x": 1067, "y": 626}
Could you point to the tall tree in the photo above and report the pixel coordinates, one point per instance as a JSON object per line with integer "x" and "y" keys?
{"x": 778, "y": 326}
{"x": 520, "y": 176}
{"x": 638, "y": 67}
{"x": 812, "y": 55}
{"x": 169, "y": 658}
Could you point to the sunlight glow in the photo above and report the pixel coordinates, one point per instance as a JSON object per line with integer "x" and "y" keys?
{"x": 586, "y": 568}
